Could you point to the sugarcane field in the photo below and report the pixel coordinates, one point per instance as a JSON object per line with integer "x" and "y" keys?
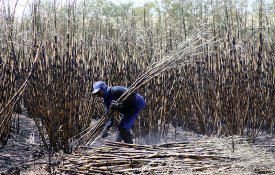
{"x": 145, "y": 87}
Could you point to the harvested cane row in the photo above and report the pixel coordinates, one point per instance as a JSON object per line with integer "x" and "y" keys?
{"x": 231, "y": 91}
{"x": 208, "y": 156}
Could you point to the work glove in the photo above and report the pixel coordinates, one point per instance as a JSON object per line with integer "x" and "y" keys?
{"x": 116, "y": 105}
{"x": 105, "y": 133}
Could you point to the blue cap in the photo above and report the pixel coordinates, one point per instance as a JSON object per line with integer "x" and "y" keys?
{"x": 97, "y": 86}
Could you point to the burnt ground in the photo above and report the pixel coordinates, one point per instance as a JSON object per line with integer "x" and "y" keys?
{"x": 24, "y": 153}
{"x": 23, "y": 150}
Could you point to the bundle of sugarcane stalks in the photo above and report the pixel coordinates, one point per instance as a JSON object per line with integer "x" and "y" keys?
{"x": 204, "y": 156}
{"x": 189, "y": 51}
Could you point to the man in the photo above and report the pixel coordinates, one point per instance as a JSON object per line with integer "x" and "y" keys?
{"x": 129, "y": 108}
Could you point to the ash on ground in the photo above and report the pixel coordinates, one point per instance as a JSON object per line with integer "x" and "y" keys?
{"x": 23, "y": 150}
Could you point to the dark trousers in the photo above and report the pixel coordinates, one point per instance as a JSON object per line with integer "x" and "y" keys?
{"x": 128, "y": 121}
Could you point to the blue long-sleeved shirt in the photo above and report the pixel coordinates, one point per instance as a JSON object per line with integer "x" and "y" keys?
{"x": 113, "y": 93}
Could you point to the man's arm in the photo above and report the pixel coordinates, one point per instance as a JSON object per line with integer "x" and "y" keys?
{"x": 110, "y": 123}
{"x": 105, "y": 131}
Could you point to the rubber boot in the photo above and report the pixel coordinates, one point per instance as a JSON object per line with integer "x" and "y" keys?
{"x": 126, "y": 135}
